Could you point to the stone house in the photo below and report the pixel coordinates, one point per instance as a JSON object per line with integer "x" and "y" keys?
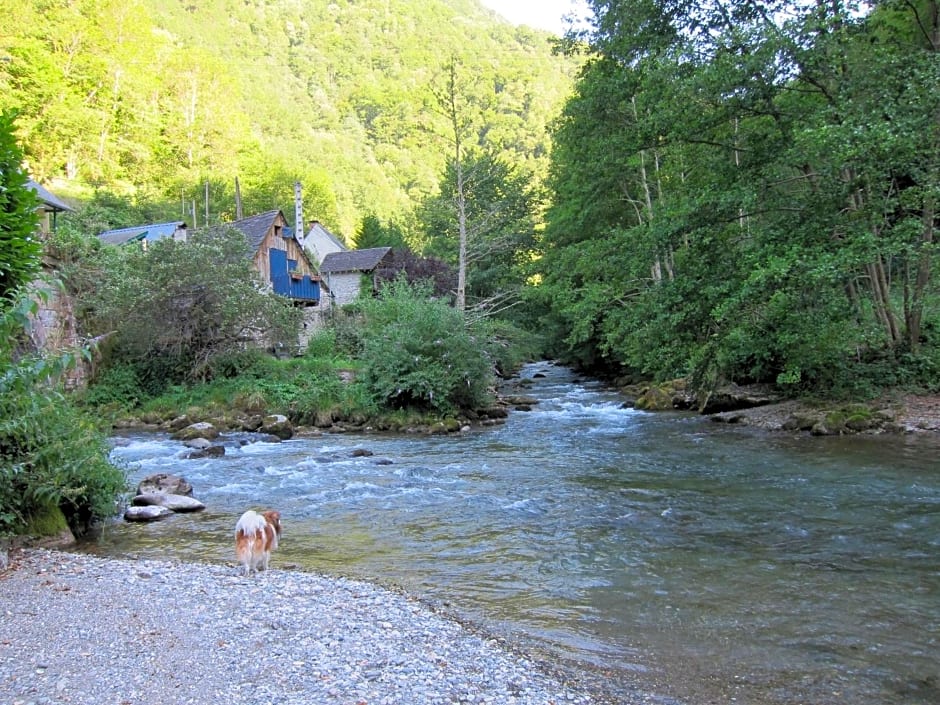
{"x": 349, "y": 272}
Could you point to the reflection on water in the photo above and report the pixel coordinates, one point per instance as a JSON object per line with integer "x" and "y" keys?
{"x": 694, "y": 560}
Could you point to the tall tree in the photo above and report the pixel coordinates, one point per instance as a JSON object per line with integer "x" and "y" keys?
{"x": 19, "y": 243}
{"x": 498, "y": 229}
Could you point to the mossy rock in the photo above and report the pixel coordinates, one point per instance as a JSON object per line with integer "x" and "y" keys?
{"x": 800, "y": 422}
{"x": 655, "y": 399}
{"x": 47, "y": 521}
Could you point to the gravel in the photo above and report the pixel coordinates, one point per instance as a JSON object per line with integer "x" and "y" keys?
{"x": 77, "y": 628}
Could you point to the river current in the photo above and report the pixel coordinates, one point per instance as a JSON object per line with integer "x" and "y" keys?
{"x": 692, "y": 561}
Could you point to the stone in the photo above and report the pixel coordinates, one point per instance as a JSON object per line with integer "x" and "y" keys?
{"x": 198, "y": 443}
{"x": 520, "y": 400}
{"x": 147, "y": 513}
{"x": 173, "y": 502}
{"x": 655, "y": 399}
{"x": 164, "y": 483}
{"x": 277, "y": 425}
{"x": 202, "y": 429}
{"x": 732, "y": 397}
{"x": 207, "y": 452}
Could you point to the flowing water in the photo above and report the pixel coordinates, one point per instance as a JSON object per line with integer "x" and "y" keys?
{"x": 693, "y": 561}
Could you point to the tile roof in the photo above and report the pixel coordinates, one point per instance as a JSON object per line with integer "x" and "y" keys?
{"x": 255, "y": 227}
{"x": 53, "y": 202}
{"x": 354, "y": 260}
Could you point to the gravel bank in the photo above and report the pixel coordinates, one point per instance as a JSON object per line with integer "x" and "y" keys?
{"x": 81, "y": 629}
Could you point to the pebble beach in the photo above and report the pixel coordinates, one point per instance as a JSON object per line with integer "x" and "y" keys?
{"x": 77, "y": 628}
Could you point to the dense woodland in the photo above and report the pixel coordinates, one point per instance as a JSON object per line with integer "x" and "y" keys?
{"x": 150, "y": 99}
{"x": 747, "y": 191}
{"x": 741, "y": 191}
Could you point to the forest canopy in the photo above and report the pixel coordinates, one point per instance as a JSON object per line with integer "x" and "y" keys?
{"x": 746, "y": 191}
{"x": 152, "y": 99}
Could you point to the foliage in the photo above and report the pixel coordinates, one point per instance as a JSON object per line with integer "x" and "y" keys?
{"x": 19, "y": 245}
{"x": 176, "y": 306}
{"x": 420, "y": 353}
{"x": 741, "y": 192}
{"x": 498, "y": 211}
{"x": 303, "y": 388}
{"x": 432, "y": 271}
{"x": 51, "y": 455}
{"x": 150, "y": 101}
{"x": 373, "y": 232}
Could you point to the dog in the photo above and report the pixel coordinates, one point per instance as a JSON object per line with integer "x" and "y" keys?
{"x": 256, "y": 535}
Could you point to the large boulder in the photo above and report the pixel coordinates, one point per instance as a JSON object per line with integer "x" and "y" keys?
{"x": 655, "y": 399}
{"x": 277, "y": 425}
{"x": 202, "y": 429}
{"x": 164, "y": 483}
{"x": 732, "y": 397}
{"x": 173, "y": 502}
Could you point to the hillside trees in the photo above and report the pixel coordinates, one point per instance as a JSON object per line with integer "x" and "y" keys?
{"x": 750, "y": 172}
{"x": 498, "y": 218}
{"x": 482, "y": 220}
{"x": 151, "y": 99}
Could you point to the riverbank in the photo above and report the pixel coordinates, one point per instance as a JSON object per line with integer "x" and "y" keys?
{"x": 81, "y": 629}
{"x": 902, "y": 414}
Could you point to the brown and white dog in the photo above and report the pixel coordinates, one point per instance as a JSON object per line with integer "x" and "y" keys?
{"x": 256, "y": 535}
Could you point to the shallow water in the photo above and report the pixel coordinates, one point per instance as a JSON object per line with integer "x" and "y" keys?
{"x": 691, "y": 560}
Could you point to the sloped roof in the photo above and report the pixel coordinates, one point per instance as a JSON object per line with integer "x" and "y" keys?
{"x": 49, "y": 199}
{"x": 316, "y": 228}
{"x": 354, "y": 260}
{"x": 152, "y": 232}
{"x": 255, "y": 227}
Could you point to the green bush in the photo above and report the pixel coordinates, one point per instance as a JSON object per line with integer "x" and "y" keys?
{"x": 420, "y": 353}
{"x": 51, "y": 455}
{"x": 116, "y": 386}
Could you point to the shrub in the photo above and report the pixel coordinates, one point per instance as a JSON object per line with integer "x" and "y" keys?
{"x": 116, "y": 386}
{"x": 420, "y": 353}
{"x": 19, "y": 246}
{"x": 51, "y": 455}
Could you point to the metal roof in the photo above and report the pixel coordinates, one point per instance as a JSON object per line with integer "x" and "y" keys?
{"x": 156, "y": 231}
{"x": 354, "y": 260}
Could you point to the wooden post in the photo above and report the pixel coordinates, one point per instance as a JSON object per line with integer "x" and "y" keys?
{"x": 238, "y": 200}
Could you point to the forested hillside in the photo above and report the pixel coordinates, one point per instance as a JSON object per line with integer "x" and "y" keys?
{"x": 748, "y": 191}
{"x": 150, "y": 99}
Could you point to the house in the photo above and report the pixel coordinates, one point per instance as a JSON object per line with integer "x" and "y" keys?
{"x": 345, "y": 272}
{"x": 320, "y": 242}
{"x": 280, "y": 259}
{"x": 145, "y": 234}
{"x": 49, "y": 205}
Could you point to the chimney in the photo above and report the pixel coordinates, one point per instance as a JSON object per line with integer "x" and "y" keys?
{"x": 298, "y": 215}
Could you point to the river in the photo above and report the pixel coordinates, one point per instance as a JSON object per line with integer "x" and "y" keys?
{"x": 693, "y": 561}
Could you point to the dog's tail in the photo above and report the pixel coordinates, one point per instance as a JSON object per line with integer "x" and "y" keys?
{"x": 244, "y": 550}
